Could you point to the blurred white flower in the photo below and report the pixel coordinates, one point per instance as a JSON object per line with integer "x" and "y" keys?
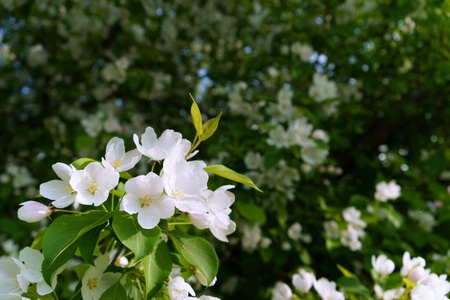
{"x": 409, "y": 264}
{"x": 281, "y": 291}
{"x": 303, "y": 280}
{"x": 383, "y": 265}
{"x": 178, "y": 289}
{"x": 295, "y": 231}
{"x": 327, "y": 290}
{"x": 387, "y": 191}
{"x": 253, "y": 160}
{"x": 389, "y": 294}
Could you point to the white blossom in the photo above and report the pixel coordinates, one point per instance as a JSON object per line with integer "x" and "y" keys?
{"x": 313, "y": 155}
{"x": 144, "y": 196}
{"x": 60, "y": 191}
{"x": 178, "y": 289}
{"x": 158, "y": 148}
{"x": 117, "y": 158}
{"x": 11, "y": 282}
{"x": 389, "y": 294}
{"x": 217, "y": 217}
{"x": 295, "y": 231}
{"x": 387, "y": 191}
{"x": 184, "y": 181}
{"x": 281, "y": 291}
{"x": 409, "y": 264}
{"x": 30, "y": 264}
{"x": 383, "y": 265}
{"x": 95, "y": 281}
{"x": 94, "y": 183}
{"x": 253, "y": 160}
{"x": 303, "y": 280}
{"x": 327, "y": 290}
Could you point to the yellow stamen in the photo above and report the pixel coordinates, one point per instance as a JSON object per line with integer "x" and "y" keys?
{"x": 93, "y": 282}
{"x": 145, "y": 201}
{"x": 117, "y": 163}
{"x": 92, "y": 187}
{"x": 69, "y": 189}
{"x": 178, "y": 194}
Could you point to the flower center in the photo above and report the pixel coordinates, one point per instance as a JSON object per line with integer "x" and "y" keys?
{"x": 178, "y": 193}
{"x": 145, "y": 201}
{"x": 92, "y": 187}
{"x": 93, "y": 282}
{"x": 117, "y": 163}
{"x": 69, "y": 189}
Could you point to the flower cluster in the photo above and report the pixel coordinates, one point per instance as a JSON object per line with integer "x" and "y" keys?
{"x": 352, "y": 231}
{"x": 179, "y": 190}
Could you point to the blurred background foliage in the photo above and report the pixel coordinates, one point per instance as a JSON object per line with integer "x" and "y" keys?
{"x": 76, "y": 73}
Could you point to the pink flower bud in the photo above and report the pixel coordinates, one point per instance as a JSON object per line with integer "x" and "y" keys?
{"x": 32, "y": 211}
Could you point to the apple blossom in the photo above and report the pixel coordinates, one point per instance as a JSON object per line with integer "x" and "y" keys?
{"x": 383, "y": 265}
{"x": 94, "y": 183}
{"x": 327, "y": 290}
{"x": 387, "y": 191}
{"x": 281, "y": 291}
{"x": 418, "y": 274}
{"x": 11, "y": 282}
{"x": 95, "y": 281}
{"x": 295, "y": 231}
{"x": 217, "y": 217}
{"x": 144, "y": 196}
{"x": 303, "y": 280}
{"x": 178, "y": 289}
{"x": 118, "y": 158}
{"x": 158, "y": 148}
{"x": 202, "y": 279}
{"x": 312, "y": 154}
{"x": 184, "y": 181}
{"x": 352, "y": 216}
{"x": 389, "y": 294}
{"x": 30, "y": 264}
{"x": 409, "y": 264}
{"x": 60, "y": 191}
{"x": 32, "y": 211}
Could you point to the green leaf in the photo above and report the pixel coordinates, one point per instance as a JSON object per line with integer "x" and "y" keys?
{"x": 198, "y": 252}
{"x": 82, "y": 162}
{"x": 125, "y": 175}
{"x": 251, "y": 212}
{"x": 346, "y": 272}
{"x": 37, "y": 242}
{"x": 352, "y": 285}
{"x": 225, "y": 172}
{"x": 392, "y": 281}
{"x": 88, "y": 242}
{"x": 32, "y": 294}
{"x": 196, "y": 117}
{"x": 61, "y": 238}
{"x": 157, "y": 267}
{"x": 116, "y": 292}
{"x": 139, "y": 240}
{"x": 209, "y": 128}
{"x": 394, "y": 216}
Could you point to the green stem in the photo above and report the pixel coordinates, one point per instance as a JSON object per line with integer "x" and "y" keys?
{"x": 67, "y": 211}
{"x": 153, "y": 165}
{"x": 181, "y": 223}
{"x": 56, "y": 296}
{"x": 112, "y": 201}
